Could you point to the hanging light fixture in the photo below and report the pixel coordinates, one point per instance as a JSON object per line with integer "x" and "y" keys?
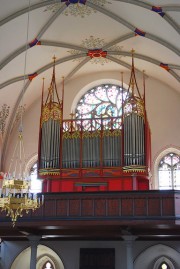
{"x": 15, "y": 196}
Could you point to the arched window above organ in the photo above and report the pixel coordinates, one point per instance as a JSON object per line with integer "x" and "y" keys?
{"x": 101, "y": 101}
{"x": 105, "y": 141}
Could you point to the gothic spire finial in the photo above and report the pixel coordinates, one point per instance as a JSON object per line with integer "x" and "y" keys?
{"x": 132, "y": 51}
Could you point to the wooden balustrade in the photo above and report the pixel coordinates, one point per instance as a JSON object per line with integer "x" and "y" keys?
{"x": 113, "y": 207}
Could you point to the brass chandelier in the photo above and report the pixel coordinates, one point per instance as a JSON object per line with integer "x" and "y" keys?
{"x": 15, "y": 195}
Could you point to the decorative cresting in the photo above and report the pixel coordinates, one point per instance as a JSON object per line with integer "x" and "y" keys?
{"x": 134, "y": 119}
{"x": 20, "y": 112}
{"x": 15, "y": 196}
{"x": 49, "y": 137}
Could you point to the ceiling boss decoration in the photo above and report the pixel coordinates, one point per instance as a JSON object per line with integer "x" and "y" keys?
{"x": 4, "y": 113}
{"x": 95, "y": 50}
{"x": 76, "y": 7}
{"x": 19, "y": 113}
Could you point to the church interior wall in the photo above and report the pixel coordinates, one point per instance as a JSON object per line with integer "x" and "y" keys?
{"x": 66, "y": 254}
{"x": 162, "y": 105}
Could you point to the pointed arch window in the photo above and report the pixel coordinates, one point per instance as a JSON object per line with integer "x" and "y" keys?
{"x": 163, "y": 265}
{"x": 48, "y": 265}
{"x": 169, "y": 172}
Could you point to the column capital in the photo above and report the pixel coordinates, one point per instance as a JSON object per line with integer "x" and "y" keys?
{"x": 129, "y": 239}
{"x": 34, "y": 239}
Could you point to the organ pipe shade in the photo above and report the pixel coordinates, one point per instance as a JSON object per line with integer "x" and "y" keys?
{"x": 50, "y": 126}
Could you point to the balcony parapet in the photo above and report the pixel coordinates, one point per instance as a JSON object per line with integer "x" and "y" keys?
{"x": 105, "y": 207}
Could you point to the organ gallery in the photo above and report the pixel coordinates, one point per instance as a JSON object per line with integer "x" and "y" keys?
{"x": 105, "y": 151}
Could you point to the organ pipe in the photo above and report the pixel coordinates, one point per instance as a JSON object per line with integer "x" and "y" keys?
{"x": 114, "y": 142}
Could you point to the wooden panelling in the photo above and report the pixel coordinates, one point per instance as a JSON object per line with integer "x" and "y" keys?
{"x": 109, "y": 206}
{"x": 62, "y": 207}
{"x": 87, "y": 207}
{"x": 113, "y": 208}
{"x": 100, "y": 207}
{"x": 140, "y": 206}
{"x": 74, "y": 207}
{"x": 127, "y": 207}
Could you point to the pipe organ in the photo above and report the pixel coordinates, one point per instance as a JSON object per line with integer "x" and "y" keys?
{"x": 94, "y": 154}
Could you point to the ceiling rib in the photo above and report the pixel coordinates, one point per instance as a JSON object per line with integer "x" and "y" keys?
{"x": 149, "y": 7}
{"x": 175, "y": 8}
{"x": 11, "y": 120}
{"x": 77, "y": 68}
{"x": 133, "y": 28}
{"x": 118, "y": 40}
{"x": 25, "y": 10}
{"x": 102, "y": 10}
{"x": 41, "y": 32}
{"x": 42, "y": 69}
{"x": 51, "y": 20}
{"x": 62, "y": 45}
{"x": 172, "y": 23}
{"x": 68, "y": 58}
{"x": 84, "y": 54}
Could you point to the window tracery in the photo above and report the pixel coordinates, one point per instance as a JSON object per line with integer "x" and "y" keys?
{"x": 101, "y": 101}
{"x": 169, "y": 172}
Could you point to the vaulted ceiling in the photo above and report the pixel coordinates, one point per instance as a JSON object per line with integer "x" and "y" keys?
{"x": 86, "y": 36}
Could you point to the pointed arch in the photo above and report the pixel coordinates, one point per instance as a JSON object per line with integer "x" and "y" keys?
{"x": 155, "y": 253}
{"x": 163, "y": 261}
{"x": 159, "y": 156}
{"x": 44, "y": 254}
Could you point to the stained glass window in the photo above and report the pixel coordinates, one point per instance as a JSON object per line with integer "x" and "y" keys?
{"x": 169, "y": 172}
{"x": 101, "y": 101}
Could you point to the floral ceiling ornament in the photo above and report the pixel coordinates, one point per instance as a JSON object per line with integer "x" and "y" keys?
{"x": 76, "y": 7}
{"x": 4, "y": 113}
{"x": 20, "y": 112}
{"x": 94, "y": 50}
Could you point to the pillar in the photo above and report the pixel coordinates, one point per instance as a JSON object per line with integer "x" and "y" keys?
{"x": 34, "y": 241}
{"x": 128, "y": 240}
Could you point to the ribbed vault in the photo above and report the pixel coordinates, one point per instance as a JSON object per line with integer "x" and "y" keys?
{"x": 150, "y": 28}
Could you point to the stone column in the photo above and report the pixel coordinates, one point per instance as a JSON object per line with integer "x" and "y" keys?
{"x": 128, "y": 240}
{"x": 34, "y": 241}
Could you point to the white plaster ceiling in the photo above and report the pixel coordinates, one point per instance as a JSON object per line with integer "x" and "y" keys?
{"x": 109, "y": 23}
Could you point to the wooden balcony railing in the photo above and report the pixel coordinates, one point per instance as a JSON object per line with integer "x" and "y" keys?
{"x": 113, "y": 207}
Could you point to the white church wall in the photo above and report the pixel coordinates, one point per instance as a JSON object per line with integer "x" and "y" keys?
{"x": 162, "y": 104}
